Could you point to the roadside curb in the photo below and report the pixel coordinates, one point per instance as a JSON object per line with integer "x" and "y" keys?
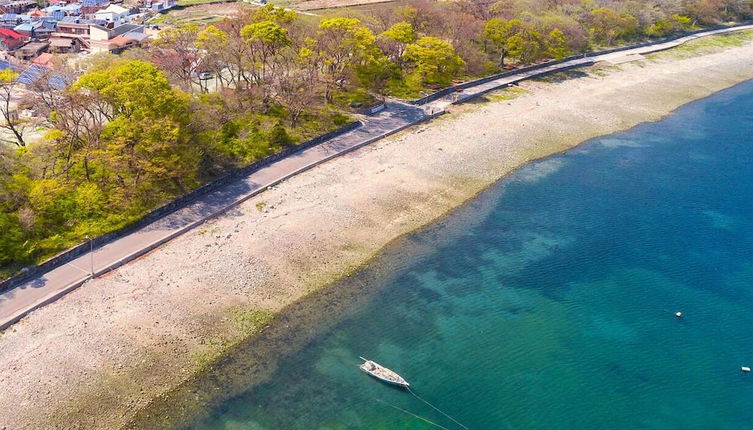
{"x": 157, "y": 243}
{"x": 14, "y": 318}
{"x": 587, "y": 61}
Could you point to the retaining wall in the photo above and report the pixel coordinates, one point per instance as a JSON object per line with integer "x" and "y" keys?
{"x": 459, "y": 87}
{"x": 183, "y": 201}
{"x": 178, "y": 203}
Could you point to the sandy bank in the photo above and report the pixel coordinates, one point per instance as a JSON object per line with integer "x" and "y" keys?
{"x": 96, "y": 358}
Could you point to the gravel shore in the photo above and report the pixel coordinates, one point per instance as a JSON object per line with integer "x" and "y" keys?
{"x": 114, "y": 351}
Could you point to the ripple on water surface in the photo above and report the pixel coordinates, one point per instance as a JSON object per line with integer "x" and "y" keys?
{"x": 554, "y": 309}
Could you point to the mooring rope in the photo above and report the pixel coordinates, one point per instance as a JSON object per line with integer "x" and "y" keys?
{"x": 412, "y": 414}
{"x": 436, "y": 409}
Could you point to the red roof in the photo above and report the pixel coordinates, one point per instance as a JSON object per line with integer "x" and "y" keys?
{"x": 121, "y": 40}
{"x": 10, "y": 33}
{"x": 44, "y": 59}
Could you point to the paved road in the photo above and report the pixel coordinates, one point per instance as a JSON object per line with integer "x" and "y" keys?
{"x": 16, "y": 303}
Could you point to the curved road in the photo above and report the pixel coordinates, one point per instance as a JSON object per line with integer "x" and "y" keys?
{"x": 19, "y": 301}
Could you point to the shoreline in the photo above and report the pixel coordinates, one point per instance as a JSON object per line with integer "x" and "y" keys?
{"x": 300, "y": 323}
{"x": 104, "y": 351}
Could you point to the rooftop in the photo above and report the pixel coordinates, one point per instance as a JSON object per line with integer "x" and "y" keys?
{"x": 94, "y": 3}
{"x": 113, "y": 8}
{"x": 35, "y": 46}
{"x": 44, "y": 59}
{"x": 10, "y": 33}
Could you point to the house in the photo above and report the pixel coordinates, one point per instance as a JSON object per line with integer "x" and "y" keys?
{"x": 117, "y": 15}
{"x": 27, "y": 29}
{"x": 160, "y": 5}
{"x": 36, "y": 29}
{"x": 37, "y": 13}
{"x": 44, "y": 60}
{"x": 117, "y": 39}
{"x": 9, "y": 20}
{"x": 10, "y": 40}
{"x": 31, "y": 50}
{"x": 34, "y": 73}
{"x": 118, "y": 44}
{"x": 72, "y": 35}
{"x": 58, "y": 12}
{"x": 17, "y": 6}
{"x": 90, "y": 7}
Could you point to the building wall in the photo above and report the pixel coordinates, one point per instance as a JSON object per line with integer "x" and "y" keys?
{"x": 96, "y": 33}
{"x": 96, "y": 48}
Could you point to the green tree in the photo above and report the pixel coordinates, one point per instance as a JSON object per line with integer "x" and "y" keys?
{"x": 526, "y": 45}
{"x": 145, "y": 153}
{"x": 496, "y": 33}
{"x": 267, "y": 39}
{"x": 609, "y": 26}
{"x": 268, "y": 33}
{"x": 347, "y": 50}
{"x": 401, "y": 32}
{"x": 660, "y": 28}
{"x": 277, "y": 14}
{"x": 210, "y": 38}
{"x": 514, "y": 38}
{"x": 10, "y": 120}
{"x": 685, "y": 22}
{"x": 279, "y": 135}
{"x": 12, "y": 238}
{"x": 13, "y": 192}
{"x": 556, "y": 45}
{"x": 213, "y": 43}
{"x": 435, "y": 61}
{"x": 395, "y": 39}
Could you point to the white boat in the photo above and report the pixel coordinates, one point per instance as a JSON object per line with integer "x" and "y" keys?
{"x": 382, "y": 373}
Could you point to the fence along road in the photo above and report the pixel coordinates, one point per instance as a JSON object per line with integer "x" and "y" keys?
{"x": 48, "y": 287}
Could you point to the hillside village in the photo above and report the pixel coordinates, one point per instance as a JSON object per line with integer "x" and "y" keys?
{"x": 30, "y": 35}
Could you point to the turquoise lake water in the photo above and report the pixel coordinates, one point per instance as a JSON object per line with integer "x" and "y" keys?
{"x": 548, "y": 301}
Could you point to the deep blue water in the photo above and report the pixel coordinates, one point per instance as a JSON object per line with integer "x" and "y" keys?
{"x": 547, "y": 302}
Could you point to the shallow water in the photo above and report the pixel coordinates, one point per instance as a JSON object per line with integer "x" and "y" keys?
{"x": 547, "y": 303}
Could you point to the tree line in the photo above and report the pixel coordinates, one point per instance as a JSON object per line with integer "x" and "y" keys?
{"x": 127, "y": 134}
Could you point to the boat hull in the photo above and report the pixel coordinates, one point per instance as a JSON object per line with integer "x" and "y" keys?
{"x": 402, "y": 384}
{"x": 383, "y": 374}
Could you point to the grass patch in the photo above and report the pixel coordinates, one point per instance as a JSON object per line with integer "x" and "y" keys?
{"x": 604, "y": 70}
{"x": 558, "y": 77}
{"x": 507, "y": 93}
{"x": 260, "y": 206}
{"x": 198, "y": 12}
{"x": 245, "y": 322}
{"x": 251, "y": 321}
{"x": 212, "y": 350}
{"x": 707, "y": 45}
{"x": 198, "y": 19}
{"x": 255, "y": 134}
